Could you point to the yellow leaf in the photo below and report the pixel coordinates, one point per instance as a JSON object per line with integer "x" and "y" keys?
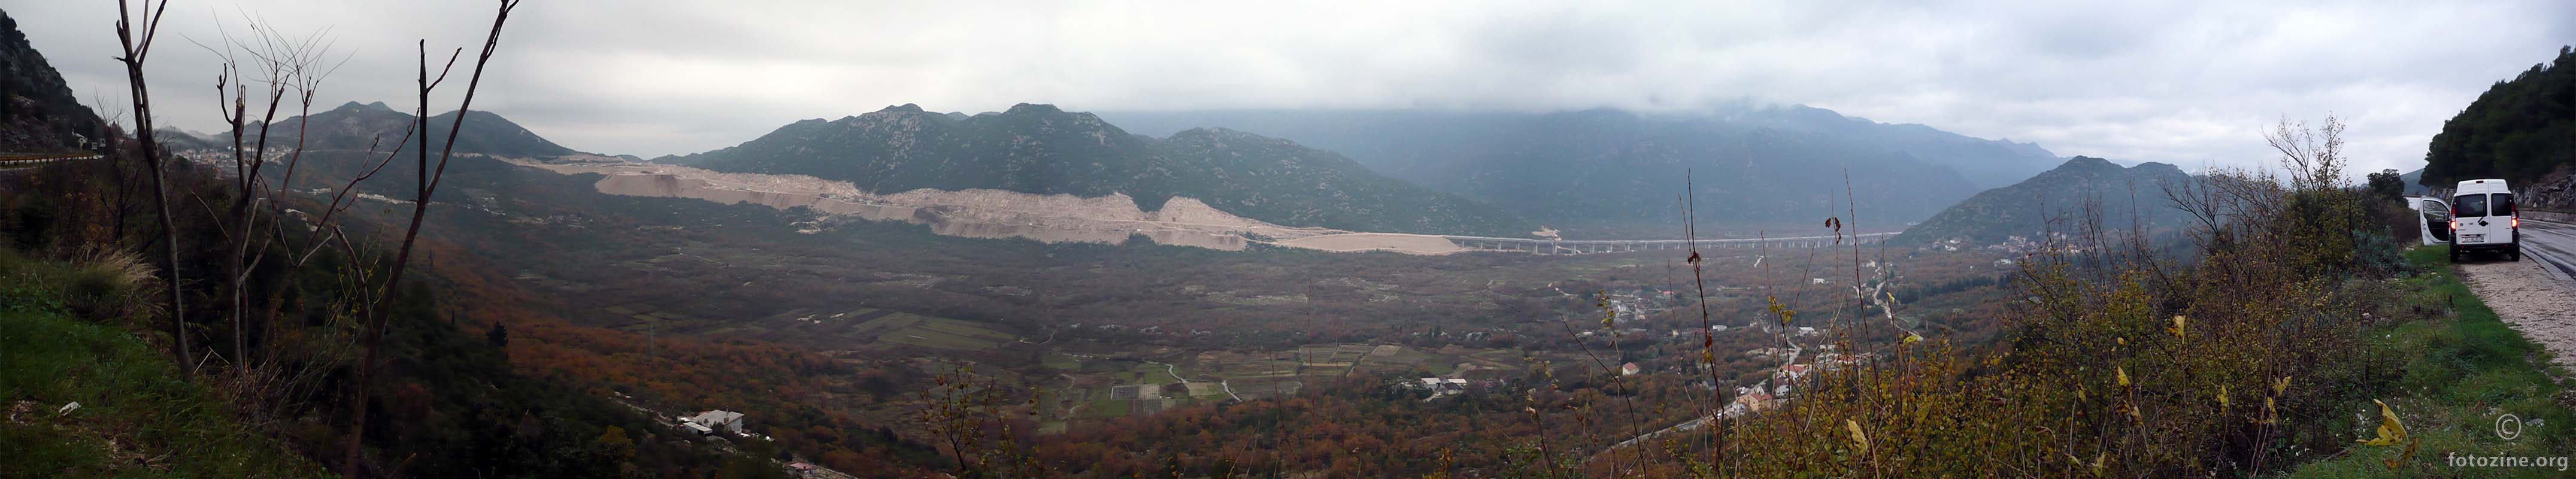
{"x": 1786, "y": 315}
{"x": 2177, "y": 327}
{"x": 1860, "y": 440}
{"x": 2280, "y": 386}
{"x": 2390, "y": 431}
{"x": 2270, "y": 415}
{"x": 1913, "y": 338}
{"x": 2124, "y": 376}
{"x": 2222, "y": 397}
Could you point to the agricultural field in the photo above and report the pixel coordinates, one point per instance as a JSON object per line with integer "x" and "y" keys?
{"x": 909, "y": 329}
{"x": 1096, "y": 386}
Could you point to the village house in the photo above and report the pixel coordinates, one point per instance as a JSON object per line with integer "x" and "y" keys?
{"x": 1793, "y": 372}
{"x": 1751, "y": 401}
{"x": 1837, "y": 361}
{"x": 1443, "y": 385}
{"x": 710, "y": 422}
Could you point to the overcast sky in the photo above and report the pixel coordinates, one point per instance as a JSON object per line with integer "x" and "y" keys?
{"x": 2186, "y": 83}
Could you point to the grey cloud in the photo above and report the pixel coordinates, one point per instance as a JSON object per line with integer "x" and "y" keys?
{"x": 2191, "y": 83}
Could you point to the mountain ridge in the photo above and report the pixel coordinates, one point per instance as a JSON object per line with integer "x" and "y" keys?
{"x": 1607, "y": 172}
{"x": 1986, "y": 163}
{"x": 2033, "y": 206}
{"x": 1043, "y": 149}
{"x": 361, "y": 126}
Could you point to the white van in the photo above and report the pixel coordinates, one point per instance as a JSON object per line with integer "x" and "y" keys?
{"x": 2483, "y": 219}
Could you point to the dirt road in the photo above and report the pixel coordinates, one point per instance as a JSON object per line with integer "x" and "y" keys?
{"x": 2534, "y": 295}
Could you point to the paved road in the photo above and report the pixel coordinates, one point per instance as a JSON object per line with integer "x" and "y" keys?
{"x": 2553, "y": 244}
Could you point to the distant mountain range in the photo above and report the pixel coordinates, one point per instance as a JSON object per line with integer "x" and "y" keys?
{"x": 341, "y": 137}
{"x": 1621, "y": 171}
{"x": 356, "y": 126}
{"x": 1987, "y": 163}
{"x": 2055, "y": 201}
{"x": 1593, "y": 173}
{"x": 1395, "y": 140}
{"x": 1044, "y": 150}
{"x": 2414, "y": 181}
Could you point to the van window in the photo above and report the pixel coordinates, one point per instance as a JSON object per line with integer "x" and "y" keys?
{"x": 2503, "y": 204}
{"x": 2469, "y": 206}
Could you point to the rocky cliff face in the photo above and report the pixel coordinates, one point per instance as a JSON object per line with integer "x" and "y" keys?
{"x": 2554, "y": 192}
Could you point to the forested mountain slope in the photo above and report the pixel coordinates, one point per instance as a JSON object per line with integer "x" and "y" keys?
{"x": 2057, "y": 201}
{"x": 2518, "y": 130}
{"x": 37, "y": 110}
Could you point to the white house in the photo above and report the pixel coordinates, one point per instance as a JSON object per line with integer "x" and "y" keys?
{"x": 1444, "y": 385}
{"x": 717, "y": 420}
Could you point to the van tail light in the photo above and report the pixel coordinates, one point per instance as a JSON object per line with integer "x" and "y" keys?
{"x": 2517, "y": 222}
{"x": 2455, "y": 225}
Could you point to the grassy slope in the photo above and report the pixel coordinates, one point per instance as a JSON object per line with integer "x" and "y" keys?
{"x": 137, "y": 419}
{"x": 2461, "y": 372}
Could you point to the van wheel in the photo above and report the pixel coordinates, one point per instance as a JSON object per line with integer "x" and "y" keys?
{"x": 2515, "y": 255}
{"x": 2455, "y": 256}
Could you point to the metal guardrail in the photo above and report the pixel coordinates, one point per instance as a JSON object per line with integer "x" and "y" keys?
{"x": 29, "y": 159}
{"x": 1550, "y": 247}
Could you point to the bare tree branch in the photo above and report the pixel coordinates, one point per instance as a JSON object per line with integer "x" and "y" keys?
{"x": 427, "y": 185}
{"x": 137, "y": 46}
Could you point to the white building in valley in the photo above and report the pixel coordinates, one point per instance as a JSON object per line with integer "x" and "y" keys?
{"x": 711, "y": 421}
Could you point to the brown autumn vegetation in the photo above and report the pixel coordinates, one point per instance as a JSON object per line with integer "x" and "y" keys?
{"x": 2241, "y": 359}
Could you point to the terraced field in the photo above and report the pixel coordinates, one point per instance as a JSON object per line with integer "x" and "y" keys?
{"x": 860, "y": 328}
{"x": 930, "y": 332}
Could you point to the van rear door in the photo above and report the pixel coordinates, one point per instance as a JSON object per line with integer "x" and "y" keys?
{"x": 2483, "y": 218}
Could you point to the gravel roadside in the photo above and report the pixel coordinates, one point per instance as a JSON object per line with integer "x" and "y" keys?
{"x": 2531, "y": 299}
